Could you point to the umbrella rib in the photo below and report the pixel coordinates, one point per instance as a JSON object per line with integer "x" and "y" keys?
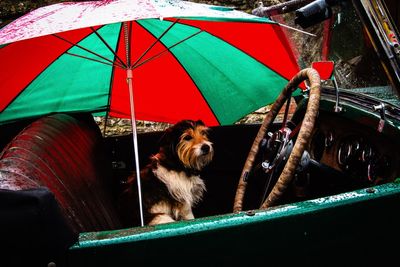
{"x": 87, "y": 50}
{"x": 109, "y": 47}
{"x": 96, "y": 60}
{"x": 154, "y": 43}
{"x": 166, "y": 50}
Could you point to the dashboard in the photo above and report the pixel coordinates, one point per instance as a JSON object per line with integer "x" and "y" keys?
{"x": 363, "y": 154}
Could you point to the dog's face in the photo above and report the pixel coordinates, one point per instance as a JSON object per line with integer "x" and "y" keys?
{"x": 188, "y": 140}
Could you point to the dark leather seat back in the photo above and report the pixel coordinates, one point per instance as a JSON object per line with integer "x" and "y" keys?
{"x": 66, "y": 155}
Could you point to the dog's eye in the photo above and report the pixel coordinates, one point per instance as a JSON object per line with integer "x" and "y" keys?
{"x": 204, "y": 132}
{"x": 187, "y": 138}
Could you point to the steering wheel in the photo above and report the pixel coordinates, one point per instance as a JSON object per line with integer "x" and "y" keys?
{"x": 284, "y": 137}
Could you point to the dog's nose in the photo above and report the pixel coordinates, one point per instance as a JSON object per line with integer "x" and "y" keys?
{"x": 205, "y": 149}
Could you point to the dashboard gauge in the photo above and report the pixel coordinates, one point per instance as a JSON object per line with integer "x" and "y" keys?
{"x": 344, "y": 153}
{"x": 355, "y": 147}
{"x": 367, "y": 153}
{"x": 371, "y": 173}
{"x": 329, "y": 139}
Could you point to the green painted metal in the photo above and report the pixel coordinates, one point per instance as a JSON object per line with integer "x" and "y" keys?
{"x": 332, "y": 222}
{"x": 94, "y": 239}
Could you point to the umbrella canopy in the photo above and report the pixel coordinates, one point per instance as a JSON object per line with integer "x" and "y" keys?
{"x": 188, "y": 60}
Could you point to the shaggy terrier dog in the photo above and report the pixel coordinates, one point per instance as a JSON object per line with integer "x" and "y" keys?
{"x": 171, "y": 183}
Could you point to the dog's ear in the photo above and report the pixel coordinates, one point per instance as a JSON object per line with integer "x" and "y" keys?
{"x": 169, "y": 140}
{"x": 200, "y": 122}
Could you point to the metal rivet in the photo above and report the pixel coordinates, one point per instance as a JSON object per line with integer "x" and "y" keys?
{"x": 250, "y": 213}
{"x": 370, "y": 190}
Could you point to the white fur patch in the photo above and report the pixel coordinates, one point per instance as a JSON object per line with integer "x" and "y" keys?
{"x": 185, "y": 189}
{"x": 165, "y": 214}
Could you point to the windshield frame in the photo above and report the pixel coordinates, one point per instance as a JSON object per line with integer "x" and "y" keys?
{"x": 383, "y": 72}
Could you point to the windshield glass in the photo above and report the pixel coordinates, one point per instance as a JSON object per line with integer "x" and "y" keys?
{"x": 344, "y": 40}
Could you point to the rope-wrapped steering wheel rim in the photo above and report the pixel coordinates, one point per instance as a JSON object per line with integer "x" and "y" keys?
{"x": 303, "y": 137}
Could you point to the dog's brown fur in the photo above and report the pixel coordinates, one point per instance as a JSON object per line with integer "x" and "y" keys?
{"x": 171, "y": 183}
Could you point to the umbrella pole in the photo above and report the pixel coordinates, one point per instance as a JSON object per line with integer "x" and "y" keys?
{"x": 135, "y": 143}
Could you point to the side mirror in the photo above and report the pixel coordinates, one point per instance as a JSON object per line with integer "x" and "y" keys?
{"x": 324, "y": 68}
{"x": 313, "y": 13}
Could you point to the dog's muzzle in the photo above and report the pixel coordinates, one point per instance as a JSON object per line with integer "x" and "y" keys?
{"x": 205, "y": 155}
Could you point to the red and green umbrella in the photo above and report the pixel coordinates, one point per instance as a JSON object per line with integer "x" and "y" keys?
{"x": 187, "y": 60}
{"x": 156, "y": 60}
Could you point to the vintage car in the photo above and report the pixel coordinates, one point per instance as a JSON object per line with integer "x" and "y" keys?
{"x": 337, "y": 202}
